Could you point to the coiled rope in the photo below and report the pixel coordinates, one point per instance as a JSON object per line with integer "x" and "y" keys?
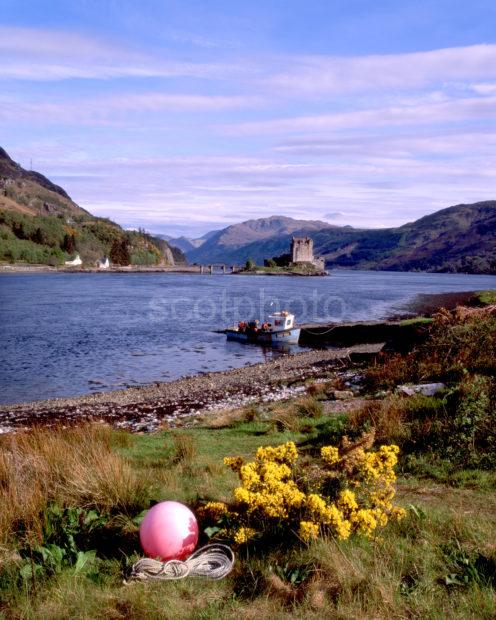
{"x": 212, "y": 562}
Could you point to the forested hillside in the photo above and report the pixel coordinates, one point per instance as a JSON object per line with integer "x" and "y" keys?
{"x": 40, "y": 224}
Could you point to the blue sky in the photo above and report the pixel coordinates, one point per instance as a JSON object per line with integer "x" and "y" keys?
{"x": 182, "y": 117}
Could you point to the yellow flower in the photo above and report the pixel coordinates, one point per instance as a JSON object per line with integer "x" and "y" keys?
{"x": 274, "y": 471}
{"x": 317, "y": 507}
{"x": 330, "y": 455}
{"x": 270, "y": 497}
{"x": 285, "y": 453}
{"x": 243, "y": 535}
{"x": 215, "y": 510}
{"x": 308, "y": 531}
{"x": 347, "y": 501}
{"x": 335, "y": 518}
{"x": 242, "y": 495}
{"x": 398, "y": 513}
{"x": 364, "y": 521}
{"x": 381, "y": 516}
{"x": 248, "y": 475}
{"x": 234, "y": 462}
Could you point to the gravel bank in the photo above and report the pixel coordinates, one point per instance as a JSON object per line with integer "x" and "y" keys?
{"x": 145, "y": 408}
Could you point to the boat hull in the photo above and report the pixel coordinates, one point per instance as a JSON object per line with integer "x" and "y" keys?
{"x": 287, "y": 336}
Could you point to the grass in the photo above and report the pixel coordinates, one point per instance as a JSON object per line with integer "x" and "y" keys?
{"x": 298, "y": 269}
{"x": 417, "y": 320}
{"x": 446, "y": 537}
{"x": 68, "y": 467}
{"x": 485, "y": 298}
{"x": 71, "y": 500}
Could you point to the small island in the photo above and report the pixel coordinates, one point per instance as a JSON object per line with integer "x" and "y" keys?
{"x": 300, "y": 261}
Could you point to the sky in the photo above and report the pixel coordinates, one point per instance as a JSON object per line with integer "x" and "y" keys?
{"x": 183, "y": 116}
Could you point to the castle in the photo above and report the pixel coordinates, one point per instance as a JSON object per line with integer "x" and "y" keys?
{"x": 302, "y": 252}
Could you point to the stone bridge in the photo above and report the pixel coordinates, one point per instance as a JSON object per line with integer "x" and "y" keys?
{"x": 218, "y": 268}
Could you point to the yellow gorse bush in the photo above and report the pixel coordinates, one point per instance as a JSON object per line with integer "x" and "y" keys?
{"x": 275, "y": 495}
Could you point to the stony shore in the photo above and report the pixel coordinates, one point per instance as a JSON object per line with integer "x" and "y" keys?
{"x": 25, "y": 268}
{"x": 146, "y": 408}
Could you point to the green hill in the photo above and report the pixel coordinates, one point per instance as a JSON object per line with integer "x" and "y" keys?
{"x": 461, "y": 238}
{"x": 41, "y": 224}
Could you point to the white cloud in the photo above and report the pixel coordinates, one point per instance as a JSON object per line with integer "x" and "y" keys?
{"x": 51, "y": 55}
{"x": 484, "y": 88}
{"x": 170, "y": 192}
{"x": 116, "y": 110}
{"x": 457, "y": 110}
{"x": 433, "y": 141}
{"x": 374, "y": 140}
{"x": 316, "y": 75}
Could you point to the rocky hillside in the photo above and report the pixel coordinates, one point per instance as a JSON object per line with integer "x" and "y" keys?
{"x": 40, "y": 223}
{"x": 29, "y": 192}
{"x": 460, "y": 238}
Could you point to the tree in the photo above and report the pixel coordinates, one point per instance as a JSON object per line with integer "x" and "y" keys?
{"x": 69, "y": 244}
{"x": 249, "y": 265}
{"x": 119, "y": 252}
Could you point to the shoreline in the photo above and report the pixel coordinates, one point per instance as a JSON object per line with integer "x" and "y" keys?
{"x": 185, "y": 269}
{"x": 25, "y": 268}
{"x": 145, "y": 408}
{"x": 149, "y": 406}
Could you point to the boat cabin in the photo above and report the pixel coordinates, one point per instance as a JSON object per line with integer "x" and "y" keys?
{"x": 280, "y": 320}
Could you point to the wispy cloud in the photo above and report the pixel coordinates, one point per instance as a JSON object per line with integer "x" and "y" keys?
{"x": 365, "y": 140}
{"x": 316, "y": 75}
{"x": 48, "y": 55}
{"x": 216, "y": 191}
{"x": 189, "y": 38}
{"x": 117, "y": 110}
{"x": 427, "y": 142}
{"x": 458, "y": 110}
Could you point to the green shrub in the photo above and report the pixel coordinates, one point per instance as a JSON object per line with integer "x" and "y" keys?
{"x": 472, "y": 438}
{"x": 143, "y": 257}
{"x": 14, "y": 250}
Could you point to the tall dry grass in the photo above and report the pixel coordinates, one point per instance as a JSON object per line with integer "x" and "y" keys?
{"x": 69, "y": 467}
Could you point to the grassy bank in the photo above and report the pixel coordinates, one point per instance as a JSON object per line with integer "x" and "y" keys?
{"x": 71, "y": 500}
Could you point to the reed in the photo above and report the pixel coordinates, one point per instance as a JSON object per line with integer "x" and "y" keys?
{"x": 69, "y": 467}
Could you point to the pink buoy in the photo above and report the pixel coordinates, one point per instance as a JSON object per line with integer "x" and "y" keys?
{"x": 169, "y": 531}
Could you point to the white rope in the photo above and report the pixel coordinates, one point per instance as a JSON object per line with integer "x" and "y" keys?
{"x": 307, "y": 331}
{"x": 212, "y": 562}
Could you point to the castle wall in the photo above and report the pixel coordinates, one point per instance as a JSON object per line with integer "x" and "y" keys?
{"x": 302, "y": 250}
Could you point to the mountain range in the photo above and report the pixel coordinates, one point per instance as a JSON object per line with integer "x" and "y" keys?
{"x": 461, "y": 238}
{"x": 40, "y": 223}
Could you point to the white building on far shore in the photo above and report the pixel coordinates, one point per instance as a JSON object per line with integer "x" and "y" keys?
{"x": 75, "y": 262}
{"x": 103, "y": 263}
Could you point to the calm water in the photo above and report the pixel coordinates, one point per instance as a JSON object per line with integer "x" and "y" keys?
{"x": 68, "y": 334}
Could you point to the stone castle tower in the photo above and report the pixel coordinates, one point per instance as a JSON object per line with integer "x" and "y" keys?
{"x": 302, "y": 250}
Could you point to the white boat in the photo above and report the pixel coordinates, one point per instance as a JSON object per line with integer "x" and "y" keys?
{"x": 278, "y": 329}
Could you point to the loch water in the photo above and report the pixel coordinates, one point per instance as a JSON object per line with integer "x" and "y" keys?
{"x": 66, "y": 334}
